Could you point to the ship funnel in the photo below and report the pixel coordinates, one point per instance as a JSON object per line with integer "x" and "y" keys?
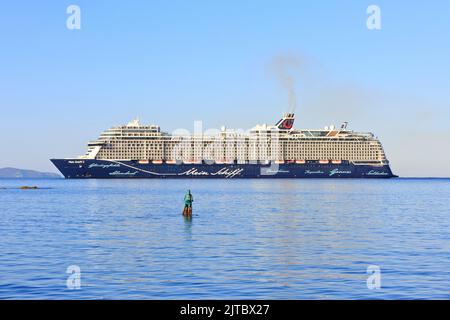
{"x": 287, "y": 122}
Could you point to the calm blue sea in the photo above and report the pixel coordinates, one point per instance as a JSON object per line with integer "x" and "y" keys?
{"x": 252, "y": 239}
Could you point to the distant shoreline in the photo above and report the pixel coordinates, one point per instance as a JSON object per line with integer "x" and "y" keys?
{"x": 25, "y": 178}
{"x": 58, "y": 177}
{"x": 15, "y": 173}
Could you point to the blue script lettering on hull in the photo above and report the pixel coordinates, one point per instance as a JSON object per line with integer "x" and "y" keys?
{"x": 99, "y": 169}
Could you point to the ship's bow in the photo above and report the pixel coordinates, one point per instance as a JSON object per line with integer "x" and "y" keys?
{"x": 61, "y": 165}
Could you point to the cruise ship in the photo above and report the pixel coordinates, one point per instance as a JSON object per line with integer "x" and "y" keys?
{"x": 266, "y": 151}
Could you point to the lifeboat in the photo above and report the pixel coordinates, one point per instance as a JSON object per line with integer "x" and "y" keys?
{"x": 279, "y": 161}
{"x": 220, "y": 161}
{"x": 229, "y": 161}
{"x": 300, "y": 161}
{"x": 323, "y": 161}
{"x": 143, "y": 161}
{"x": 336, "y": 161}
{"x": 157, "y": 161}
{"x": 171, "y": 161}
{"x": 290, "y": 161}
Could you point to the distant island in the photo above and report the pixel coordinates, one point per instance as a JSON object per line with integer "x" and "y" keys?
{"x": 12, "y": 173}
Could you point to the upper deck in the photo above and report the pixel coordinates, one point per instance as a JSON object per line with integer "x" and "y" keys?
{"x": 278, "y": 142}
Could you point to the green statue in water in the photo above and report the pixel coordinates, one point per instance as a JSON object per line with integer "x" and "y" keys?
{"x": 188, "y": 199}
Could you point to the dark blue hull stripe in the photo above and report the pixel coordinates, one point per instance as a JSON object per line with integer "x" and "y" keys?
{"x": 100, "y": 169}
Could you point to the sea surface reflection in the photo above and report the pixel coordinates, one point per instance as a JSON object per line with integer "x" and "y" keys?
{"x": 252, "y": 239}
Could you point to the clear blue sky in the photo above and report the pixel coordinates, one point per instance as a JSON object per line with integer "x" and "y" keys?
{"x": 173, "y": 62}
